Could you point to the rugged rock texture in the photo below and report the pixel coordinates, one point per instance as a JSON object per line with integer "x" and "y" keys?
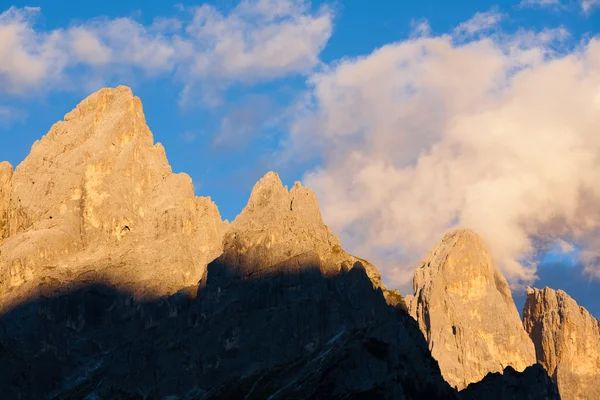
{"x": 6, "y": 172}
{"x": 531, "y": 384}
{"x": 465, "y": 310}
{"x": 567, "y": 342}
{"x": 294, "y": 334}
{"x": 280, "y": 314}
{"x": 277, "y": 223}
{"x": 96, "y": 200}
{"x": 105, "y": 291}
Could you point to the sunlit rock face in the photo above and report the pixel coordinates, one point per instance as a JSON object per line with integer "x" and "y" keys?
{"x": 96, "y": 199}
{"x": 567, "y": 342}
{"x": 277, "y": 224}
{"x": 6, "y": 172}
{"x": 117, "y": 282}
{"x": 465, "y": 310}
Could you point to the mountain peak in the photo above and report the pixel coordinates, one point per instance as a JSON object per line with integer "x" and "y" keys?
{"x": 271, "y": 201}
{"x": 268, "y": 196}
{"x": 465, "y": 310}
{"x": 97, "y": 185}
{"x": 103, "y": 100}
{"x": 567, "y": 342}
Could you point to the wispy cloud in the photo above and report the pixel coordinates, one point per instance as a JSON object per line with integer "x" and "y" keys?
{"x": 480, "y": 22}
{"x": 245, "y": 121}
{"x": 8, "y": 115}
{"x": 188, "y": 137}
{"x": 588, "y": 5}
{"x": 540, "y": 3}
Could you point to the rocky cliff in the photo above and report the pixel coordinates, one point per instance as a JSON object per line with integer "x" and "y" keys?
{"x": 567, "y": 342}
{"x": 465, "y": 310}
{"x": 117, "y": 282}
{"x": 277, "y": 223}
{"x": 106, "y": 292}
{"x": 96, "y": 200}
{"x": 6, "y": 172}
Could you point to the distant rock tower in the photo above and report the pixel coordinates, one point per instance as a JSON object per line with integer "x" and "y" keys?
{"x": 465, "y": 310}
{"x": 567, "y": 342}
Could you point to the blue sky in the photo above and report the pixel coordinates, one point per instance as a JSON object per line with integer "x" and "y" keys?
{"x": 391, "y": 111}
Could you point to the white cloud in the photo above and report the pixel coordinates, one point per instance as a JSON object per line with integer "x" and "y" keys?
{"x": 10, "y": 114}
{"x": 497, "y": 134}
{"x": 26, "y": 56}
{"x": 481, "y": 21}
{"x": 540, "y": 3}
{"x": 257, "y": 40}
{"x": 588, "y": 5}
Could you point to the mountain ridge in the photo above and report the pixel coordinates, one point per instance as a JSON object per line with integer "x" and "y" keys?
{"x": 123, "y": 284}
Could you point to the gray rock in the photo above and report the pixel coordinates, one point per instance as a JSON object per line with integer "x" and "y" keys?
{"x": 567, "y": 342}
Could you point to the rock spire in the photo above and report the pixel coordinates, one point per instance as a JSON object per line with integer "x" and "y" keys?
{"x": 465, "y": 310}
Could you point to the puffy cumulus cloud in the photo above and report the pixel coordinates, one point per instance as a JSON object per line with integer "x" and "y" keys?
{"x": 498, "y": 134}
{"x": 26, "y": 57}
{"x": 259, "y": 39}
{"x": 32, "y": 59}
{"x": 256, "y": 40}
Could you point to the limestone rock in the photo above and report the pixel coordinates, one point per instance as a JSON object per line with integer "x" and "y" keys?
{"x": 265, "y": 322}
{"x": 567, "y": 342}
{"x": 277, "y": 224}
{"x": 6, "y": 172}
{"x": 532, "y": 384}
{"x": 96, "y": 198}
{"x": 465, "y": 310}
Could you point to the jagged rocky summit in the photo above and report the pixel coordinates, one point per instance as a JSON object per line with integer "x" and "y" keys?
{"x": 117, "y": 282}
{"x": 567, "y": 342}
{"x": 466, "y": 312}
{"x": 96, "y": 200}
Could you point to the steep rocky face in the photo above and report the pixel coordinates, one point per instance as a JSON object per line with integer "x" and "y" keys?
{"x": 465, "y": 310}
{"x": 277, "y": 224}
{"x": 96, "y": 199}
{"x": 6, "y": 172}
{"x": 97, "y": 236}
{"x": 567, "y": 342}
{"x": 294, "y": 334}
{"x": 532, "y": 384}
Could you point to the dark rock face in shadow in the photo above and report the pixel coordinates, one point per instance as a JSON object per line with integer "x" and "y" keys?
{"x": 533, "y": 383}
{"x": 289, "y": 332}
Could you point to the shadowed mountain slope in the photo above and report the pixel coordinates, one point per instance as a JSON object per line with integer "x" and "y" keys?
{"x": 117, "y": 282}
